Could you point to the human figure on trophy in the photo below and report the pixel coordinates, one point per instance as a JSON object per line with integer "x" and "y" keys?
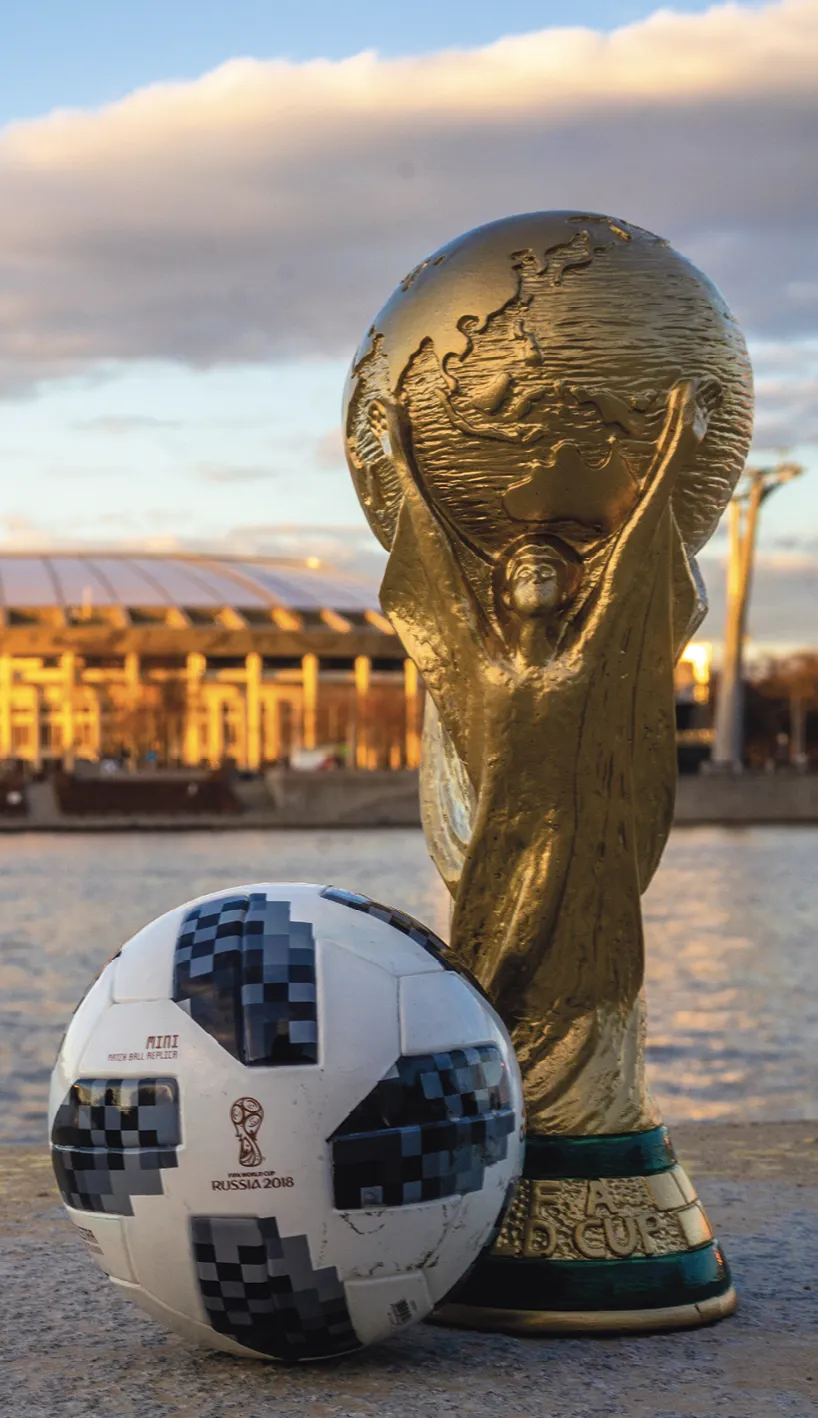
{"x": 536, "y": 687}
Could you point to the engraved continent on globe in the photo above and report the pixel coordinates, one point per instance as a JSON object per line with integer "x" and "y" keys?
{"x": 533, "y": 359}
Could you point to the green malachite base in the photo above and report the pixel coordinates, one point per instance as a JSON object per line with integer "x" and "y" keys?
{"x": 605, "y": 1234}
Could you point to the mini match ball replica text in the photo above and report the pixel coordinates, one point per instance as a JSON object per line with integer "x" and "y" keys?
{"x": 282, "y": 1123}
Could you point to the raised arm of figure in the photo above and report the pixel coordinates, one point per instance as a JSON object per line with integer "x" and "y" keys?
{"x": 428, "y": 599}
{"x": 689, "y": 407}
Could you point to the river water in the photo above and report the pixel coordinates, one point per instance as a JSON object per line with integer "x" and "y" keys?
{"x": 732, "y": 946}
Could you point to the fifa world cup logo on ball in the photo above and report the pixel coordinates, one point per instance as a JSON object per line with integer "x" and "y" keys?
{"x": 544, "y": 424}
{"x": 247, "y": 1115}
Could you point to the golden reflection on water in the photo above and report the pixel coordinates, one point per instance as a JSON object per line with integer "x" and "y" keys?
{"x": 732, "y": 963}
{"x": 732, "y": 974}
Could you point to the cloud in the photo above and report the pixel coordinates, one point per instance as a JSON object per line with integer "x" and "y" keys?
{"x": 342, "y": 545}
{"x": 266, "y": 210}
{"x": 786, "y": 380}
{"x": 783, "y": 601}
{"x": 329, "y": 450}
{"x": 111, "y": 531}
{"x": 123, "y": 425}
{"x": 18, "y": 531}
{"x": 347, "y": 546}
{"x": 787, "y": 412}
{"x": 227, "y": 473}
{"x": 297, "y": 453}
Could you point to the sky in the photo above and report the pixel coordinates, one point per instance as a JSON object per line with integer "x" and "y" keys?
{"x": 202, "y": 206}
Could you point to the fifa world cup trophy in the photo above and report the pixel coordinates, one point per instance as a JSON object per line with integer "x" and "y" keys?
{"x": 544, "y": 424}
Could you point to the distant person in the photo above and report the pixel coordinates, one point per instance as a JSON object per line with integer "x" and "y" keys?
{"x": 274, "y": 782}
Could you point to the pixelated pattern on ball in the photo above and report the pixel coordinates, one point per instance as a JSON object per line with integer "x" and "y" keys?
{"x": 261, "y": 1289}
{"x": 245, "y": 973}
{"x": 407, "y": 925}
{"x": 428, "y": 1130}
{"x": 111, "y": 1140}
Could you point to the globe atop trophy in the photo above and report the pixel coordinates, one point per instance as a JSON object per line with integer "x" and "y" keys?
{"x": 544, "y": 424}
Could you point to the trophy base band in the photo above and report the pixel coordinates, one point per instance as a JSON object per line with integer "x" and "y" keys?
{"x": 606, "y": 1234}
{"x": 588, "y": 1322}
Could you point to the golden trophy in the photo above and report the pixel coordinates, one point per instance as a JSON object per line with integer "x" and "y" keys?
{"x": 544, "y": 424}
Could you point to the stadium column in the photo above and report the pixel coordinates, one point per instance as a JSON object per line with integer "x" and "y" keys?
{"x": 68, "y": 667}
{"x": 253, "y": 711}
{"x": 363, "y": 667}
{"x": 95, "y": 722}
{"x": 133, "y": 686}
{"x": 132, "y": 672}
{"x": 36, "y": 717}
{"x": 194, "y": 670}
{"x": 215, "y": 730}
{"x": 5, "y": 706}
{"x": 309, "y": 685}
{"x": 410, "y": 689}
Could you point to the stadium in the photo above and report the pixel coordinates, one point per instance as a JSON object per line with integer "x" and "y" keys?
{"x": 192, "y": 661}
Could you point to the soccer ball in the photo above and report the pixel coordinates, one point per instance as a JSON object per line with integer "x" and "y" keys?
{"x": 282, "y": 1123}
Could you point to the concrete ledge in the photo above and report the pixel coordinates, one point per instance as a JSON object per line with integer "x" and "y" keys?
{"x": 747, "y": 798}
{"x": 71, "y": 1346}
{"x": 286, "y": 799}
{"x": 346, "y": 798}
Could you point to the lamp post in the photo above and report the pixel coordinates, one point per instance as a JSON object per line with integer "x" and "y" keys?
{"x": 756, "y": 486}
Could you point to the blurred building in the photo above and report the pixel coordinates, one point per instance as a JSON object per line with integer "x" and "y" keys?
{"x": 193, "y": 660}
{"x": 694, "y": 707}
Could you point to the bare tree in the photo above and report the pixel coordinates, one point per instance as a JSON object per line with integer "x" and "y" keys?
{"x": 794, "y": 680}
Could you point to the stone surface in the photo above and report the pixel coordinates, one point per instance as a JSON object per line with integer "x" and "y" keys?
{"x": 72, "y": 1346}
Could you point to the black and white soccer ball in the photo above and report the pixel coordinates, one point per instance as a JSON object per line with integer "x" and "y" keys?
{"x": 283, "y": 1124}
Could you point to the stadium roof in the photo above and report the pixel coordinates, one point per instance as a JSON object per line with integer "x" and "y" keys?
{"x": 157, "y": 603}
{"x": 144, "y": 580}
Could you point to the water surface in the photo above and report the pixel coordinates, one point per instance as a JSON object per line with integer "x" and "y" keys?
{"x": 731, "y": 936}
